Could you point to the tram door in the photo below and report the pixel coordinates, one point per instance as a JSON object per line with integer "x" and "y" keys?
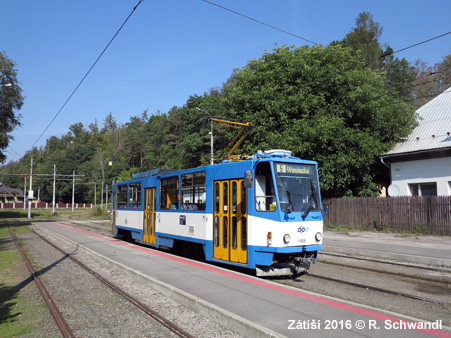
{"x": 149, "y": 216}
{"x": 113, "y": 214}
{"x": 230, "y": 221}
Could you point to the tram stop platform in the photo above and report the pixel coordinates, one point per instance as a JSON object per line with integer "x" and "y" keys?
{"x": 253, "y": 306}
{"x": 426, "y": 250}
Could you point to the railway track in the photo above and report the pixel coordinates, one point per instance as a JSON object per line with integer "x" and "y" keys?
{"x": 363, "y": 267}
{"x": 51, "y": 305}
{"x": 56, "y": 313}
{"x": 389, "y": 298}
{"x": 369, "y": 287}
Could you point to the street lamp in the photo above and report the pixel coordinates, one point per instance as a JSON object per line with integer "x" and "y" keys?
{"x": 6, "y": 85}
{"x": 211, "y": 133}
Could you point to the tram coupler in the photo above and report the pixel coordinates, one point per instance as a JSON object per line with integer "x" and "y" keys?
{"x": 305, "y": 260}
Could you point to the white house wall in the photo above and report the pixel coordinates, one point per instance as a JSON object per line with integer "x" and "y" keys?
{"x": 422, "y": 171}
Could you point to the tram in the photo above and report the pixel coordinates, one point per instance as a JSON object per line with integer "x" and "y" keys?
{"x": 264, "y": 213}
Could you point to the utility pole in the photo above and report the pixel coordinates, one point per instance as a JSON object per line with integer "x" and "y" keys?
{"x": 210, "y": 118}
{"x": 24, "y": 193}
{"x": 73, "y": 191}
{"x": 106, "y": 196}
{"x": 101, "y": 202}
{"x": 30, "y": 193}
{"x": 54, "y": 180}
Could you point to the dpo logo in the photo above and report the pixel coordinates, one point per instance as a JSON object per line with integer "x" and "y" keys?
{"x": 301, "y": 229}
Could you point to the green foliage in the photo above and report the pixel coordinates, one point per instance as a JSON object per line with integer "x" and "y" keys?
{"x": 11, "y": 100}
{"x": 365, "y": 38}
{"x": 343, "y": 105}
{"x": 431, "y": 80}
{"x": 322, "y": 105}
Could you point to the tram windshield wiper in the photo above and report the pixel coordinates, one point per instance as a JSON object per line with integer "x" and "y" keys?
{"x": 313, "y": 202}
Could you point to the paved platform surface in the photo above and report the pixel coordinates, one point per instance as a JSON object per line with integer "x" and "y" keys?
{"x": 425, "y": 250}
{"x": 263, "y": 308}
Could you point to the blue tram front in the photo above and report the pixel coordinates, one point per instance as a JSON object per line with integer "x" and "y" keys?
{"x": 263, "y": 214}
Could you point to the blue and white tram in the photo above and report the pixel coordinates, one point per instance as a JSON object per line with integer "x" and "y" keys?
{"x": 263, "y": 214}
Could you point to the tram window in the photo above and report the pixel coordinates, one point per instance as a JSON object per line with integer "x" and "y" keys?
{"x": 225, "y": 196}
{"x": 265, "y": 197}
{"x": 169, "y": 188}
{"x": 243, "y": 233}
{"x": 234, "y": 232}
{"x": 297, "y": 186}
{"x": 234, "y": 197}
{"x": 243, "y": 199}
{"x": 225, "y": 227}
{"x": 216, "y": 231}
{"x": 216, "y": 197}
{"x": 194, "y": 191}
{"x": 122, "y": 196}
{"x": 134, "y": 195}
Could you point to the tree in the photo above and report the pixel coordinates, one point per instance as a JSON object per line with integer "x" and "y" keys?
{"x": 135, "y": 139}
{"x": 109, "y": 124}
{"x": 11, "y": 100}
{"x": 321, "y": 105}
{"x": 432, "y": 81}
{"x": 365, "y": 37}
{"x": 364, "y": 40}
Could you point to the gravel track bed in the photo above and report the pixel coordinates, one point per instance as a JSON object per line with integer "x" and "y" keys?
{"x": 94, "y": 310}
{"x": 415, "y": 308}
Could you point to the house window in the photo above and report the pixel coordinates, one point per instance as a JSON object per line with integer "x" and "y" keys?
{"x": 423, "y": 189}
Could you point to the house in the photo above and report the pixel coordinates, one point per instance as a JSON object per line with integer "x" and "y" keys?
{"x": 421, "y": 163}
{"x": 10, "y": 195}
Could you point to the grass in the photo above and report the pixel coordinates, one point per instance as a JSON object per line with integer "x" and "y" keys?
{"x": 22, "y": 309}
{"x": 20, "y": 216}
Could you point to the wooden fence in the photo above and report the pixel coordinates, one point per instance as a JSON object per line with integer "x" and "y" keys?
{"x": 430, "y": 214}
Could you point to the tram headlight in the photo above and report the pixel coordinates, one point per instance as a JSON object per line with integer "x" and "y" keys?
{"x": 286, "y": 238}
{"x": 318, "y": 236}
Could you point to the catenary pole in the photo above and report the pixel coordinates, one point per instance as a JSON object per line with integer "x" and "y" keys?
{"x": 31, "y": 189}
{"x": 54, "y": 182}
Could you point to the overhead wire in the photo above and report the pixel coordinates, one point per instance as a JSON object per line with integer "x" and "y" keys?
{"x": 414, "y": 45}
{"x": 300, "y": 37}
{"x": 87, "y": 73}
{"x": 224, "y": 8}
{"x": 260, "y": 22}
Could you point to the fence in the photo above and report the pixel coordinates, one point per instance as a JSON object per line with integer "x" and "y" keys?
{"x": 431, "y": 213}
{"x": 43, "y": 205}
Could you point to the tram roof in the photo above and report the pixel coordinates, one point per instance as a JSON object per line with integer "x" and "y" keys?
{"x": 274, "y": 155}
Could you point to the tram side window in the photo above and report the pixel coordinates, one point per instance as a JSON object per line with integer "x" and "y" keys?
{"x": 169, "y": 189}
{"x": 193, "y": 191}
{"x": 122, "y": 196}
{"x": 265, "y": 197}
{"x": 134, "y": 195}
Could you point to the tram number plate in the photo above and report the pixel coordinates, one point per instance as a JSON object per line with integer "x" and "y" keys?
{"x": 301, "y": 240}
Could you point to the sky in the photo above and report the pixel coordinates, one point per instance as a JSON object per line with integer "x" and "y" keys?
{"x": 173, "y": 49}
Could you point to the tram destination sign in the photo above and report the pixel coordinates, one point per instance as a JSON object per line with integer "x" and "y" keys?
{"x": 292, "y": 169}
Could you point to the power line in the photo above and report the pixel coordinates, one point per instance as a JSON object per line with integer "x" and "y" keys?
{"x": 84, "y": 77}
{"x": 260, "y": 22}
{"x": 414, "y": 45}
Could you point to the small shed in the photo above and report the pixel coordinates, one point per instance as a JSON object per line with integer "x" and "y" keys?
{"x": 10, "y": 195}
